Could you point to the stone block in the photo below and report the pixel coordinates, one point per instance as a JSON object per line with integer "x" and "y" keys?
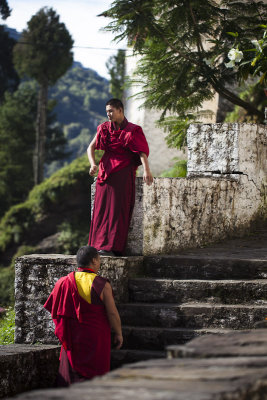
{"x": 36, "y": 276}
{"x": 24, "y": 367}
{"x": 215, "y": 149}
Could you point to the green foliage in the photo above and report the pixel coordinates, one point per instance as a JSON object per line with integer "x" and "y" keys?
{"x": 7, "y": 276}
{"x": 178, "y": 170}
{"x": 7, "y": 327}
{"x": 177, "y": 128}
{"x": 72, "y": 236}
{"x": 256, "y": 95}
{"x": 253, "y": 55}
{"x": 44, "y": 49}
{"x": 43, "y": 53}
{"x": 184, "y": 49}
{"x": 9, "y": 79}
{"x": 116, "y": 69}
{"x": 20, "y": 219}
{"x": 4, "y": 9}
{"x": 17, "y": 136}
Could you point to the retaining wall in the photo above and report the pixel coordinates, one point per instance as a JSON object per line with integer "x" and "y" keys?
{"x": 223, "y": 195}
{"x": 36, "y": 275}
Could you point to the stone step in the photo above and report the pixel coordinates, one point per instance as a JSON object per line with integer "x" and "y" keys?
{"x": 199, "y": 267}
{"x": 151, "y": 338}
{"x": 192, "y": 315}
{"x": 248, "y": 343}
{"x": 128, "y": 356}
{"x": 182, "y": 291}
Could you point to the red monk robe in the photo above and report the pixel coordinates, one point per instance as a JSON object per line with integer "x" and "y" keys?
{"x": 82, "y": 328}
{"x": 115, "y": 187}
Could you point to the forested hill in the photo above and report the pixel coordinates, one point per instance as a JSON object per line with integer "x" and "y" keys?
{"x": 81, "y": 95}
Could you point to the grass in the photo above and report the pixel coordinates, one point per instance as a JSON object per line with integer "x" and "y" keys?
{"x": 7, "y": 327}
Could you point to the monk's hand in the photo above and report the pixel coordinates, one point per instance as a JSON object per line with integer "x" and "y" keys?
{"x": 118, "y": 340}
{"x": 147, "y": 177}
{"x": 93, "y": 169}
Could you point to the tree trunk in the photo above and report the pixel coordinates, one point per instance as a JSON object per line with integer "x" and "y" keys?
{"x": 40, "y": 138}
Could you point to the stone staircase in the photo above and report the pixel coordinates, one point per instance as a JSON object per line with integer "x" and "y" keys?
{"x": 181, "y": 297}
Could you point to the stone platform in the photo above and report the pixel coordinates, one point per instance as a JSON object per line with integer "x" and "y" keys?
{"x": 237, "y": 376}
{"x": 25, "y": 367}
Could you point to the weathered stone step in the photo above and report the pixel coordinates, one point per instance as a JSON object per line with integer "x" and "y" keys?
{"x": 151, "y": 338}
{"x": 199, "y": 267}
{"x": 128, "y": 356}
{"x": 182, "y": 291}
{"x": 192, "y": 315}
{"x": 251, "y": 343}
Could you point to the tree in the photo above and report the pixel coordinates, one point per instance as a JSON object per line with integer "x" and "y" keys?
{"x": 116, "y": 69}
{"x": 43, "y": 53}
{"x": 4, "y": 9}
{"x": 9, "y": 79}
{"x": 184, "y": 46}
{"x": 17, "y": 131}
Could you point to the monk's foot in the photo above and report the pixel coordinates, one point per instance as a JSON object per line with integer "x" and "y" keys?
{"x": 106, "y": 253}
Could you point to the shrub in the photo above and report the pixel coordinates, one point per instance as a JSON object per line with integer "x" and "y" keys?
{"x": 178, "y": 170}
{"x": 7, "y": 327}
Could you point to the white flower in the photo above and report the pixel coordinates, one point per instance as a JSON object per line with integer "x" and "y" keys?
{"x": 257, "y": 45}
{"x": 235, "y": 55}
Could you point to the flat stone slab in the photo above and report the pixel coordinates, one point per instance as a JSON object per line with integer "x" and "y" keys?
{"x": 233, "y": 344}
{"x": 176, "y": 379}
{"x": 25, "y": 367}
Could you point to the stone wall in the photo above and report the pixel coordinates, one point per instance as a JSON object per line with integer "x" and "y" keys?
{"x": 223, "y": 195}
{"x": 35, "y": 278}
{"x": 184, "y": 213}
{"x": 230, "y": 149}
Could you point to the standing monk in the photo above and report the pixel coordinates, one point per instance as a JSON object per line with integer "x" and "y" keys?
{"x": 83, "y": 310}
{"x": 125, "y": 148}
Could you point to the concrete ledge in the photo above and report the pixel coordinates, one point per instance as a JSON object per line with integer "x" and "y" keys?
{"x": 36, "y": 275}
{"x": 24, "y": 368}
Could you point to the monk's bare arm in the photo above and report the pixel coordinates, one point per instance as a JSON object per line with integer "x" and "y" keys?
{"x": 91, "y": 156}
{"x": 147, "y": 176}
{"x": 113, "y": 315}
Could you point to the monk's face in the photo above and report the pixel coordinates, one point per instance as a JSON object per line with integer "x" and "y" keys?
{"x": 114, "y": 114}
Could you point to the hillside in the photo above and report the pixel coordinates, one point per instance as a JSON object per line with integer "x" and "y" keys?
{"x": 55, "y": 218}
{"x": 80, "y": 97}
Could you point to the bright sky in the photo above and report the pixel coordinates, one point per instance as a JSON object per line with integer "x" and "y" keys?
{"x": 80, "y": 18}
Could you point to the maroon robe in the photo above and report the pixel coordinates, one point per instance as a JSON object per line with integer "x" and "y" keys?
{"x": 115, "y": 187}
{"x": 82, "y": 328}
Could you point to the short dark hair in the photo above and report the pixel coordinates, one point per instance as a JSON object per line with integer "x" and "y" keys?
{"x": 117, "y": 103}
{"x": 85, "y": 256}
